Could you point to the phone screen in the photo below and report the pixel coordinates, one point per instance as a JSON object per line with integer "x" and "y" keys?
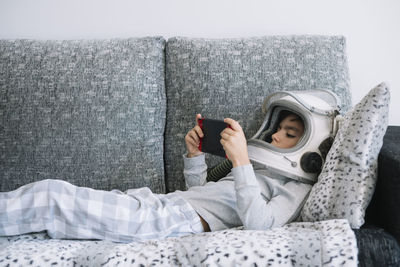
{"x": 210, "y": 143}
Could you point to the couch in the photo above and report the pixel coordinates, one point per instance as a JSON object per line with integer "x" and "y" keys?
{"x": 112, "y": 114}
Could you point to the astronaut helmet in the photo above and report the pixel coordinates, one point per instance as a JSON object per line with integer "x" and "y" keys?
{"x": 318, "y": 109}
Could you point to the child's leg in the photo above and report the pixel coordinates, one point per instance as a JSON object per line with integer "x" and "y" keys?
{"x": 68, "y": 211}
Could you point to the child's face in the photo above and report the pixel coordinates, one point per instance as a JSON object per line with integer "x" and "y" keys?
{"x": 289, "y": 132}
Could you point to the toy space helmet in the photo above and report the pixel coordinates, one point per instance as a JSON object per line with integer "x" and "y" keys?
{"x": 303, "y": 162}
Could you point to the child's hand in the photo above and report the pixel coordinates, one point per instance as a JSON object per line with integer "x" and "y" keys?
{"x": 234, "y": 143}
{"x": 192, "y": 139}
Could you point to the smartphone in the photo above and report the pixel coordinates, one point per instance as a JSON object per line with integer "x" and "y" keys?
{"x": 210, "y": 143}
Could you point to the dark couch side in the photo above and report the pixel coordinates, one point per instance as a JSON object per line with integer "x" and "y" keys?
{"x": 383, "y": 211}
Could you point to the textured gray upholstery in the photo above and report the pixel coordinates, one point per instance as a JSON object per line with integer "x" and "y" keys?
{"x": 89, "y": 112}
{"x": 93, "y": 112}
{"x": 231, "y": 77}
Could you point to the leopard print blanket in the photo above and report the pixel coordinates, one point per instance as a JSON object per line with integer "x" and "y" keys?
{"x": 325, "y": 243}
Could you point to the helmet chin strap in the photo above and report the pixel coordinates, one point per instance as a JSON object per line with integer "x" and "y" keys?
{"x": 293, "y": 163}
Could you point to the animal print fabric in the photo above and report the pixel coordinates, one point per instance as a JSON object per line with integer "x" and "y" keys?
{"x": 326, "y": 243}
{"x": 347, "y": 181}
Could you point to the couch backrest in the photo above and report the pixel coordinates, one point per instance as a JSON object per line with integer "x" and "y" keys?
{"x": 231, "y": 77}
{"x": 88, "y": 112}
{"x": 93, "y": 112}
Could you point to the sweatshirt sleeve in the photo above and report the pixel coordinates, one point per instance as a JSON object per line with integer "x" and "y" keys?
{"x": 257, "y": 213}
{"x": 195, "y": 170}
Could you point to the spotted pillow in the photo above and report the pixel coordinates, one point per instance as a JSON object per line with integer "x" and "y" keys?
{"x": 347, "y": 181}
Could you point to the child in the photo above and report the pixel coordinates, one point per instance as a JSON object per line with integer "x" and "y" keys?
{"x": 245, "y": 197}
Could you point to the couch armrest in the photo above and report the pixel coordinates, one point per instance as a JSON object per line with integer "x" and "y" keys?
{"x": 383, "y": 210}
{"x": 376, "y": 248}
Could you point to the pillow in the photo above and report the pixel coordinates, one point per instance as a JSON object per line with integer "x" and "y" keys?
{"x": 231, "y": 77}
{"x": 90, "y": 112}
{"x": 347, "y": 181}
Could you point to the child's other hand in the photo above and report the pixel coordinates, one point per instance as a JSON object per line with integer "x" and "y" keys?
{"x": 234, "y": 143}
{"x": 192, "y": 139}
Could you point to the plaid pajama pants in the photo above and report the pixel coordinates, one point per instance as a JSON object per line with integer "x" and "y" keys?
{"x": 71, "y": 212}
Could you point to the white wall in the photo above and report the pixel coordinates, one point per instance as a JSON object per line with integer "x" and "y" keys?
{"x": 372, "y": 28}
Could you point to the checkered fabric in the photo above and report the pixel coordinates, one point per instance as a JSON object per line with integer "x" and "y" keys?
{"x": 67, "y": 211}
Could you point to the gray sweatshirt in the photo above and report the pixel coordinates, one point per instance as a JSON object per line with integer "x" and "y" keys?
{"x": 246, "y": 196}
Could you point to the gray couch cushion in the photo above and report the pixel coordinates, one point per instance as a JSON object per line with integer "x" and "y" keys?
{"x": 89, "y": 112}
{"x": 231, "y": 77}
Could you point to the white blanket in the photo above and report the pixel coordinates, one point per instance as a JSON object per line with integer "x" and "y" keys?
{"x": 325, "y": 243}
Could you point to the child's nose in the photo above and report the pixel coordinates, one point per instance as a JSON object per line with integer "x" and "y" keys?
{"x": 275, "y": 137}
